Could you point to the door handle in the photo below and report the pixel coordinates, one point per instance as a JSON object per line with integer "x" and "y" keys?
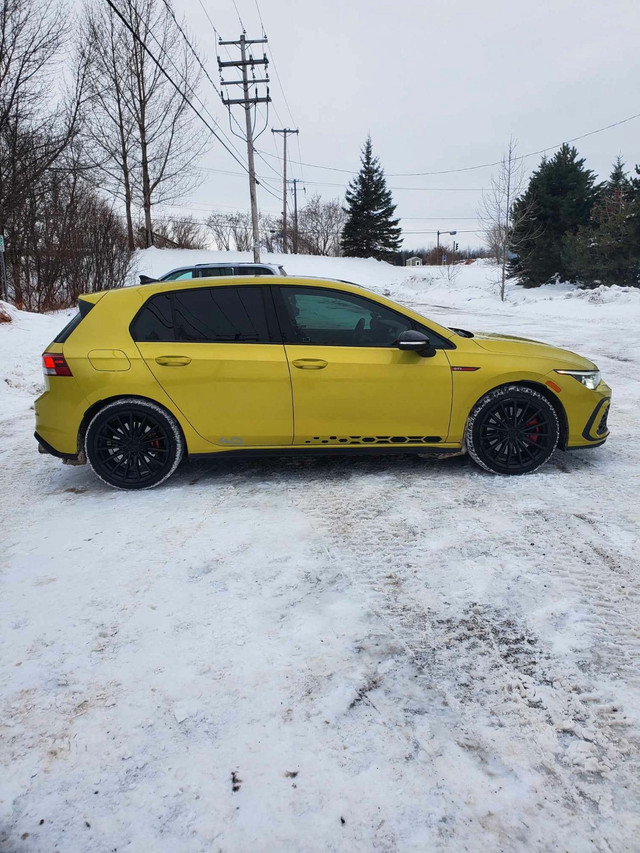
{"x": 310, "y": 363}
{"x": 173, "y": 360}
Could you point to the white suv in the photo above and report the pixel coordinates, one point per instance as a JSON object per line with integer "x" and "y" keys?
{"x": 215, "y": 269}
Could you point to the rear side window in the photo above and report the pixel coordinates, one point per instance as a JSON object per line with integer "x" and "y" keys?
{"x": 83, "y": 309}
{"x": 155, "y": 320}
{"x": 206, "y": 315}
{"x": 254, "y": 271}
{"x": 207, "y": 272}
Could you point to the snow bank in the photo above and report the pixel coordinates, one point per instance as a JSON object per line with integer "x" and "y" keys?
{"x": 455, "y": 286}
{"x": 22, "y": 342}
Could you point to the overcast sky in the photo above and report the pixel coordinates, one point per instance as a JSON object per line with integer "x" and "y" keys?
{"x": 437, "y": 85}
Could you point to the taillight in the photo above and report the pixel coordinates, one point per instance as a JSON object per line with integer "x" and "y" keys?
{"x": 55, "y": 364}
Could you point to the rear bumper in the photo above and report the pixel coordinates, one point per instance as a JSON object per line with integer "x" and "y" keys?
{"x": 45, "y": 447}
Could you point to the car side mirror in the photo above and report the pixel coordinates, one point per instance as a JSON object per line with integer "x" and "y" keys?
{"x": 414, "y": 341}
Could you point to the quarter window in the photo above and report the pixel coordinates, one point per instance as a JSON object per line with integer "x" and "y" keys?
{"x": 328, "y": 318}
{"x": 205, "y": 315}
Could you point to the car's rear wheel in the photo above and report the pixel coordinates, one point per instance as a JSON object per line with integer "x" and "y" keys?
{"x": 133, "y": 444}
{"x": 512, "y": 430}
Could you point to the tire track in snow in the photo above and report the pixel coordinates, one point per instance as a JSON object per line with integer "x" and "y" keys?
{"x": 483, "y": 659}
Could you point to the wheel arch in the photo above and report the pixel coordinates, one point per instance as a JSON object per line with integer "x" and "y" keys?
{"x": 547, "y": 394}
{"x": 94, "y": 408}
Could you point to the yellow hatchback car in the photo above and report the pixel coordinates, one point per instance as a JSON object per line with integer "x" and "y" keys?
{"x": 144, "y": 376}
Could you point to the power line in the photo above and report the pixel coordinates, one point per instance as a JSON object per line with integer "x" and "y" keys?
{"x": 232, "y": 117}
{"x": 478, "y": 166}
{"x": 167, "y": 56}
{"x": 235, "y": 5}
{"x": 325, "y": 184}
{"x": 209, "y": 78}
{"x": 175, "y": 85}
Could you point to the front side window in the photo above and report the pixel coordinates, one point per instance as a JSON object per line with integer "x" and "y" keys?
{"x": 205, "y": 315}
{"x": 329, "y": 318}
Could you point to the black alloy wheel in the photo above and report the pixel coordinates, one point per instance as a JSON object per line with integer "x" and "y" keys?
{"x": 512, "y": 430}
{"x": 133, "y": 444}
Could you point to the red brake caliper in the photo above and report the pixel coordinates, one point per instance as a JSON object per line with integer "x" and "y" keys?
{"x": 533, "y": 436}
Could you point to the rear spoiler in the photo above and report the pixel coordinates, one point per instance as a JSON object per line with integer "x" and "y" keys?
{"x": 146, "y": 279}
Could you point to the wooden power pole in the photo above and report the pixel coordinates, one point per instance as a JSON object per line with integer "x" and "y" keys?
{"x": 244, "y": 63}
{"x": 285, "y": 131}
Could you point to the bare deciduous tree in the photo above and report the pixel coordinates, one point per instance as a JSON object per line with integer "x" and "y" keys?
{"x": 143, "y": 127}
{"x": 320, "y": 225}
{"x": 183, "y": 233}
{"x": 33, "y": 134}
{"x": 38, "y": 123}
{"x": 495, "y": 208}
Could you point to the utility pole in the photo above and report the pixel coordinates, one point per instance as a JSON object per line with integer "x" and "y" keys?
{"x": 285, "y": 131}
{"x": 295, "y": 183}
{"x": 248, "y": 102}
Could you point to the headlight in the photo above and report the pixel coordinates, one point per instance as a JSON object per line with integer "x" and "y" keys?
{"x": 589, "y": 378}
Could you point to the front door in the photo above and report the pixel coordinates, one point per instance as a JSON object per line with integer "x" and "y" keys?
{"x": 217, "y": 354}
{"x": 351, "y": 384}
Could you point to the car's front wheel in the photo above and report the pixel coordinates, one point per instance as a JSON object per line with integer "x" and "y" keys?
{"x": 133, "y": 444}
{"x": 512, "y": 430}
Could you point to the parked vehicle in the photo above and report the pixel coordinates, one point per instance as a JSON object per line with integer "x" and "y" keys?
{"x": 215, "y": 269}
{"x": 145, "y": 376}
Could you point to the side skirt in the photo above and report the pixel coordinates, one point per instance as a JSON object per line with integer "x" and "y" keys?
{"x": 352, "y": 450}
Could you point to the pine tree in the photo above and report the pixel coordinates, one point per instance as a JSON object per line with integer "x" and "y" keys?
{"x": 607, "y": 250}
{"x": 370, "y": 230}
{"x": 557, "y": 201}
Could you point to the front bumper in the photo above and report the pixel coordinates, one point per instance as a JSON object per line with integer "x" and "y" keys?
{"x": 594, "y": 428}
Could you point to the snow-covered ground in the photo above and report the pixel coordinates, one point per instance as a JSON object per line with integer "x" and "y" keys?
{"x": 331, "y": 654}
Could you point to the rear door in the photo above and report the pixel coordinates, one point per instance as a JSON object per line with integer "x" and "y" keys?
{"x": 218, "y": 354}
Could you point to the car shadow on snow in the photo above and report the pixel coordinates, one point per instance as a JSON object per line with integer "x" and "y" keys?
{"x": 335, "y": 468}
{"x": 77, "y": 482}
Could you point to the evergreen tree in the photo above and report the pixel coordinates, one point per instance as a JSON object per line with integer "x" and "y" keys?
{"x": 370, "y": 230}
{"x": 607, "y": 250}
{"x": 557, "y": 201}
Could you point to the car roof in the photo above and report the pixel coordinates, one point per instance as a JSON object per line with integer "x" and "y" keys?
{"x": 146, "y": 291}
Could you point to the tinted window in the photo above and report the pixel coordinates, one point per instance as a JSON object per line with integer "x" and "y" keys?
{"x": 207, "y": 272}
{"x": 327, "y": 318}
{"x": 206, "y": 315}
{"x": 178, "y": 275}
{"x": 220, "y": 314}
{"x": 155, "y": 321}
{"x": 254, "y": 271}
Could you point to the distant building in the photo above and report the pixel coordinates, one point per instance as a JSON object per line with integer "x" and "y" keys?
{"x": 414, "y": 262}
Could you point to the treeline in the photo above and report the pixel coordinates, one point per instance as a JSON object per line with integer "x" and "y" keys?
{"x": 317, "y": 230}
{"x": 113, "y": 137}
{"x": 566, "y": 226}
